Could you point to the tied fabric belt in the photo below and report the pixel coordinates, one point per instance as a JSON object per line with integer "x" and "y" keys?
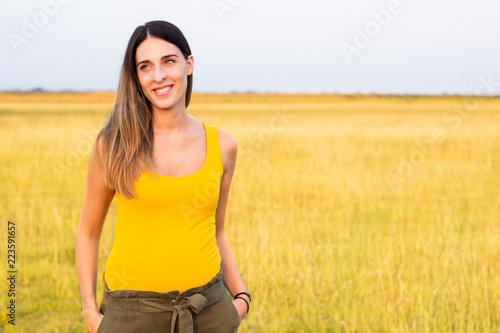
{"x": 180, "y": 304}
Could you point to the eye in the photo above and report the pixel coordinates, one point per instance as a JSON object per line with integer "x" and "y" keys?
{"x": 172, "y": 60}
{"x": 143, "y": 66}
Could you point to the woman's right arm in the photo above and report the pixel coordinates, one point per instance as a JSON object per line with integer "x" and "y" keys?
{"x": 96, "y": 203}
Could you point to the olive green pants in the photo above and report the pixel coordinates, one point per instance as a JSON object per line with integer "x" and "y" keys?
{"x": 206, "y": 308}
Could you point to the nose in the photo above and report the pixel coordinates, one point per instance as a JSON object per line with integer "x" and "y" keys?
{"x": 158, "y": 75}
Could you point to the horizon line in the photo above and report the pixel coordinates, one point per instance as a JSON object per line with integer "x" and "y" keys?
{"x": 40, "y": 90}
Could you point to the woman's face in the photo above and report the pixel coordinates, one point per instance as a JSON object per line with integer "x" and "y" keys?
{"x": 162, "y": 71}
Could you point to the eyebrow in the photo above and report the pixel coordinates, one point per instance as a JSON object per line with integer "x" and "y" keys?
{"x": 168, "y": 55}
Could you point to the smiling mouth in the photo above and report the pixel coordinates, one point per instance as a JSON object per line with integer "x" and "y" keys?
{"x": 163, "y": 90}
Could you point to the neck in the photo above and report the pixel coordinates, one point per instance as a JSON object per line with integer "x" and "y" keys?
{"x": 170, "y": 121}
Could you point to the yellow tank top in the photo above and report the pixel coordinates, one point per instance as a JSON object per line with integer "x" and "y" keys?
{"x": 165, "y": 238}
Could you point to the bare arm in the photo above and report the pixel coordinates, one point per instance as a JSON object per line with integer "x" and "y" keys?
{"x": 231, "y": 275}
{"x": 98, "y": 197}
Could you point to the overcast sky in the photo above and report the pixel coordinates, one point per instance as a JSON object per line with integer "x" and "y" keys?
{"x": 377, "y": 46}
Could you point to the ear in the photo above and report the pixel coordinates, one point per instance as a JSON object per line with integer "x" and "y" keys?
{"x": 190, "y": 64}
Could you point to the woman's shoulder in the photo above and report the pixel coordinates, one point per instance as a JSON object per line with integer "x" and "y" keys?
{"x": 228, "y": 148}
{"x": 227, "y": 141}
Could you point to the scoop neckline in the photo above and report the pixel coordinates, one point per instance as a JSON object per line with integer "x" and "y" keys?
{"x": 204, "y": 162}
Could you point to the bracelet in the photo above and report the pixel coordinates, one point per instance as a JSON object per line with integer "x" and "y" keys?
{"x": 248, "y": 305}
{"x": 244, "y": 293}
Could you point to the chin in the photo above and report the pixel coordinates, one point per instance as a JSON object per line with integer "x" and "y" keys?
{"x": 165, "y": 104}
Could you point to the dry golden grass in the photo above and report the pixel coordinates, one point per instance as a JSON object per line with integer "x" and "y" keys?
{"x": 346, "y": 213}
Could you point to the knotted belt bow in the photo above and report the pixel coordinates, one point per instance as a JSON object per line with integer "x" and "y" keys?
{"x": 180, "y": 309}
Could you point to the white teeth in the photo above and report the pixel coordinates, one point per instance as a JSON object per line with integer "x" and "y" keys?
{"x": 163, "y": 90}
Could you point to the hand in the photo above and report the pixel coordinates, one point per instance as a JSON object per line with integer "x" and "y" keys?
{"x": 93, "y": 320}
{"x": 241, "y": 307}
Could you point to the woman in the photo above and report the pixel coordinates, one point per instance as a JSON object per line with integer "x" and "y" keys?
{"x": 171, "y": 174}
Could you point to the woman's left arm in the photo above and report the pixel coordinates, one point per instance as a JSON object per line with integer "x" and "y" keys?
{"x": 231, "y": 276}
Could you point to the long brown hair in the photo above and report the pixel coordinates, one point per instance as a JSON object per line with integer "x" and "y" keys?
{"x": 126, "y": 138}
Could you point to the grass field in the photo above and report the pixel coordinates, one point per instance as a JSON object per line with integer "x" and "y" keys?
{"x": 346, "y": 213}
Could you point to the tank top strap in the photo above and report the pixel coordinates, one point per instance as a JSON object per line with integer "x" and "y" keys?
{"x": 214, "y": 156}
